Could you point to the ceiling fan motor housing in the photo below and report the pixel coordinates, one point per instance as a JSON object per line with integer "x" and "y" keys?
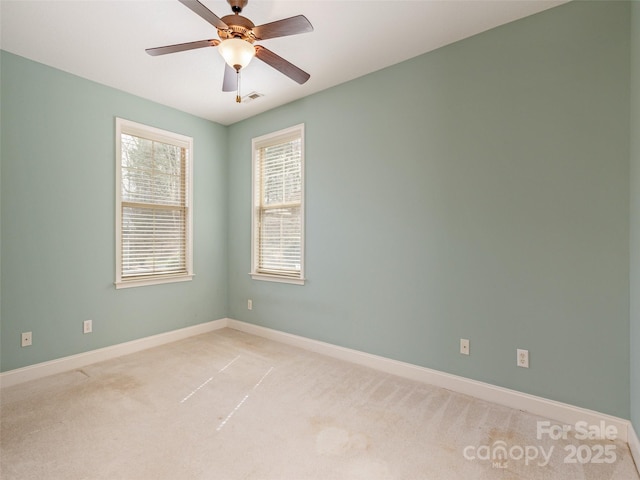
{"x": 239, "y": 27}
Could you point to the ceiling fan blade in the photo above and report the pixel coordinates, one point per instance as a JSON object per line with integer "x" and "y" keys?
{"x": 229, "y": 82}
{"x": 282, "y": 28}
{"x": 181, "y": 47}
{"x": 205, "y": 13}
{"x": 282, "y": 65}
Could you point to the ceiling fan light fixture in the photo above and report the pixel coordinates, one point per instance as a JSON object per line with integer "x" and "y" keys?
{"x": 236, "y": 52}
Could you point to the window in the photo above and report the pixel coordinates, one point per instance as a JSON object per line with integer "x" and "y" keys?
{"x": 278, "y": 208}
{"x": 153, "y": 205}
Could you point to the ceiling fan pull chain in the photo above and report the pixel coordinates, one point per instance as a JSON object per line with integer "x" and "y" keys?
{"x": 238, "y": 99}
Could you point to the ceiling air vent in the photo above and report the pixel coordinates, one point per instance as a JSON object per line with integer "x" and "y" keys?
{"x": 252, "y": 96}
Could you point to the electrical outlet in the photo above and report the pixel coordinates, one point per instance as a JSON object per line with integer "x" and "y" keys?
{"x": 523, "y": 358}
{"x": 249, "y": 304}
{"x": 87, "y": 326}
{"x": 464, "y": 346}
{"x": 26, "y": 339}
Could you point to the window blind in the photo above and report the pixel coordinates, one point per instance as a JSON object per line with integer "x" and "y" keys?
{"x": 279, "y": 207}
{"x": 154, "y": 208}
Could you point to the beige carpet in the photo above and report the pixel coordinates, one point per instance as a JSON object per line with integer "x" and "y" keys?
{"x": 228, "y": 405}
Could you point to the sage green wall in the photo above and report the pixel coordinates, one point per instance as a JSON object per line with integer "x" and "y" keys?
{"x": 635, "y": 216}
{"x": 479, "y": 191}
{"x": 58, "y": 202}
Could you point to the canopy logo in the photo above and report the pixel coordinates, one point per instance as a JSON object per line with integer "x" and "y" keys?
{"x": 499, "y": 453}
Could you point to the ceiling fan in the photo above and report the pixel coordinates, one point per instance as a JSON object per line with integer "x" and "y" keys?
{"x": 237, "y": 35}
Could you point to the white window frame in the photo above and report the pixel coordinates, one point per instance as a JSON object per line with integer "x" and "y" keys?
{"x": 137, "y": 129}
{"x": 258, "y": 143}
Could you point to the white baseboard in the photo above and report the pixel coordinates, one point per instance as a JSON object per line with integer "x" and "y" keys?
{"x": 560, "y": 412}
{"x": 39, "y": 370}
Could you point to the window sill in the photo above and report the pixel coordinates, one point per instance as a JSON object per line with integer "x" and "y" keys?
{"x": 143, "y": 282}
{"x": 276, "y": 278}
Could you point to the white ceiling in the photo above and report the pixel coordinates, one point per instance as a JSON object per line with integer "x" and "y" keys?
{"x": 105, "y": 41}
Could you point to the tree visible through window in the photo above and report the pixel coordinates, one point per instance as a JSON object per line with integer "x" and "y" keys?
{"x": 153, "y": 207}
